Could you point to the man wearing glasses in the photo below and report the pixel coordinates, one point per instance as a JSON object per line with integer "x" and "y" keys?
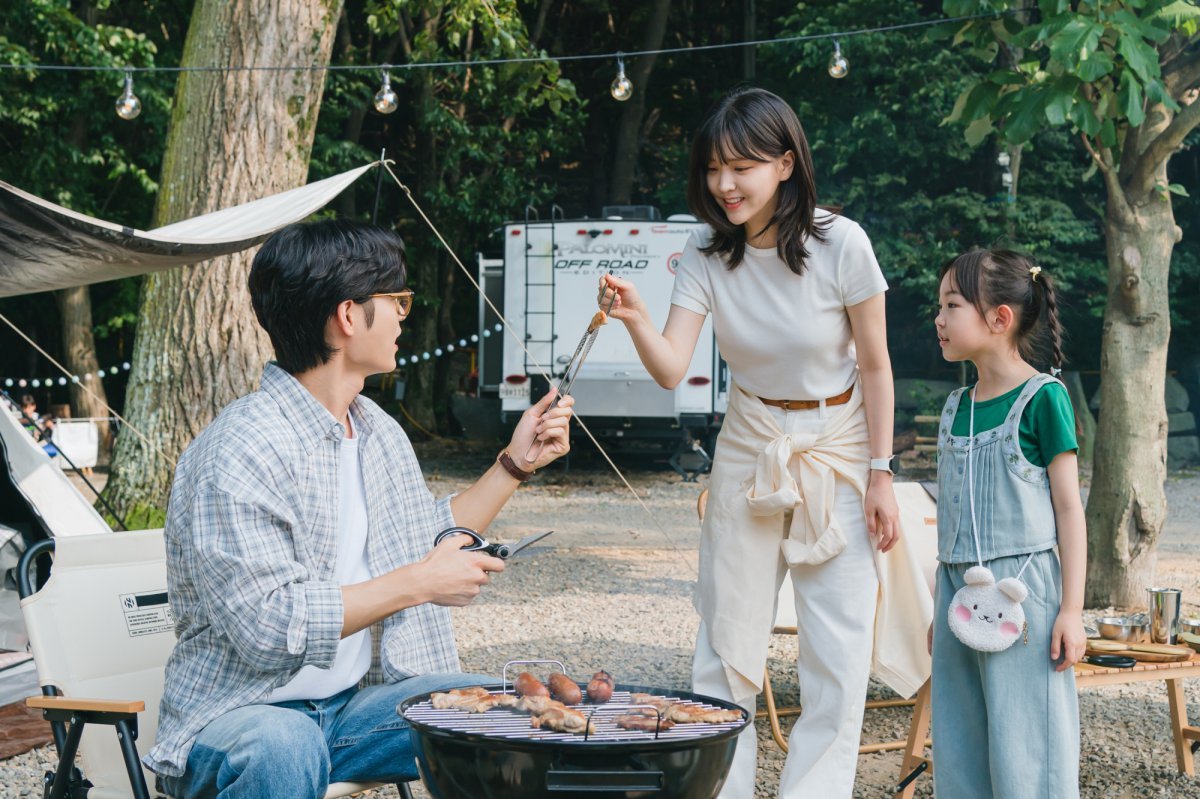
{"x": 299, "y": 541}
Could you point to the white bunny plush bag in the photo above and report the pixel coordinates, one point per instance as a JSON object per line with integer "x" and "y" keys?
{"x": 986, "y": 615}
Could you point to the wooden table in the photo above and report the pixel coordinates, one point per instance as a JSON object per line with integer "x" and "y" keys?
{"x": 1087, "y": 675}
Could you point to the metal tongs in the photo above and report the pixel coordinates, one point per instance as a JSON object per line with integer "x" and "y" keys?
{"x": 480, "y": 544}
{"x": 581, "y": 352}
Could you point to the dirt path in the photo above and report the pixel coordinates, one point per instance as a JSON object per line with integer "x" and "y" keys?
{"x": 612, "y": 588}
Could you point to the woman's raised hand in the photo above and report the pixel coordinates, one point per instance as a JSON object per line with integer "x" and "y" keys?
{"x": 628, "y": 304}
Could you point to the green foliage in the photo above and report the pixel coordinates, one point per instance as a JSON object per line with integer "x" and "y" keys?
{"x": 470, "y": 142}
{"x": 922, "y": 192}
{"x": 1093, "y": 65}
{"x": 61, "y": 140}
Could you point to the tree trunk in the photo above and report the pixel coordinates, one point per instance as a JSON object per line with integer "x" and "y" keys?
{"x": 79, "y": 346}
{"x": 629, "y": 131}
{"x": 1085, "y": 423}
{"x": 1127, "y": 505}
{"x": 233, "y": 137}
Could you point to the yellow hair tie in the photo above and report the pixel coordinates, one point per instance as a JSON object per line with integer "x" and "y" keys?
{"x": 1034, "y": 271}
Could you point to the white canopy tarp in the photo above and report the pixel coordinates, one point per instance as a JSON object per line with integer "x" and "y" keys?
{"x": 44, "y": 247}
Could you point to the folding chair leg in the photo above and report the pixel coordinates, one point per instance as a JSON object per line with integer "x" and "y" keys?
{"x": 405, "y": 793}
{"x": 773, "y": 712}
{"x": 127, "y": 735}
{"x": 66, "y": 762}
{"x": 915, "y": 762}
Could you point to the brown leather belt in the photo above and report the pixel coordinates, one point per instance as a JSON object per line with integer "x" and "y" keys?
{"x": 808, "y": 405}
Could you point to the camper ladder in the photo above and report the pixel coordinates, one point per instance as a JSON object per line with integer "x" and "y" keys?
{"x": 540, "y": 252}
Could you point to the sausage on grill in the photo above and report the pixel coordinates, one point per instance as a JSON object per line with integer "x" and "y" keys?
{"x": 528, "y": 685}
{"x": 564, "y": 689}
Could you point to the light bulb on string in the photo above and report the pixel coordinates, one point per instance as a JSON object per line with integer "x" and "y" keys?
{"x": 838, "y": 65}
{"x": 385, "y": 99}
{"x": 622, "y": 87}
{"x": 128, "y": 105}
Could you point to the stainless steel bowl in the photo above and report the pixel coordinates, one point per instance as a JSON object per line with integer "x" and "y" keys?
{"x": 1120, "y": 628}
{"x": 1189, "y": 626}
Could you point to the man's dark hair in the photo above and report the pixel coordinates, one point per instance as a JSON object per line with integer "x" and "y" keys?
{"x": 303, "y": 271}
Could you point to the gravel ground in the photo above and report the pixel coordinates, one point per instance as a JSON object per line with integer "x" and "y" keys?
{"x": 612, "y": 589}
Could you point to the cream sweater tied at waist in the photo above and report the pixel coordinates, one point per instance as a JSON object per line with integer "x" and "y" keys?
{"x": 759, "y": 475}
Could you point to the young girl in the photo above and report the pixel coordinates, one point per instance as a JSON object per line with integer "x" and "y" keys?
{"x": 1006, "y": 723}
{"x": 802, "y": 473}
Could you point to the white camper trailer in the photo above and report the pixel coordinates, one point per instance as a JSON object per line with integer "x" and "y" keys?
{"x": 546, "y": 286}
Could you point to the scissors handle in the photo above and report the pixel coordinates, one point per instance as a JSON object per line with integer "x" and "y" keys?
{"x": 478, "y": 542}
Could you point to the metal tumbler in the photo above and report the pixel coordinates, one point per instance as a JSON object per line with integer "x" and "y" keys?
{"x": 1164, "y": 615}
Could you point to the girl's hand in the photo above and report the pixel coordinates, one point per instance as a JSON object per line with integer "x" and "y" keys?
{"x": 1068, "y": 641}
{"x": 542, "y": 436}
{"x": 883, "y": 514}
{"x": 628, "y": 305}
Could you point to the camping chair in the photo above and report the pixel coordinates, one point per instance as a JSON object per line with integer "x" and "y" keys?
{"x": 916, "y": 507}
{"x": 100, "y": 630}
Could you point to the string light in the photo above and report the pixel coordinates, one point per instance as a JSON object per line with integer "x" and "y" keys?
{"x": 128, "y": 105}
{"x": 386, "y": 100}
{"x": 49, "y": 382}
{"x": 622, "y": 87}
{"x": 534, "y": 59}
{"x": 838, "y": 65}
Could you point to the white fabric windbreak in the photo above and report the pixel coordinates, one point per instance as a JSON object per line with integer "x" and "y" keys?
{"x": 45, "y": 247}
{"x": 48, "y": 492}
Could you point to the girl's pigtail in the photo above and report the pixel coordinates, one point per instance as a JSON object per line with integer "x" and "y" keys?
{"x": 1053, "y": 326}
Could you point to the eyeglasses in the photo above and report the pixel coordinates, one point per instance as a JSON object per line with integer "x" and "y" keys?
{"x": 403, "y": 300}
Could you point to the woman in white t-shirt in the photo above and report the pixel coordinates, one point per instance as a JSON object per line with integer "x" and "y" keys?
{"x": 801, "y": 478}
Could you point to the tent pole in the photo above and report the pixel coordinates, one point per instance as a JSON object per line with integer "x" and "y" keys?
{"x": 378, "y": 186}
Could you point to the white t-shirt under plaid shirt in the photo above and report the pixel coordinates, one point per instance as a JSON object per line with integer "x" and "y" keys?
{"x": 251, "y": 537}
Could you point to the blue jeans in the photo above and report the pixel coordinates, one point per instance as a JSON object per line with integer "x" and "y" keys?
{"x": 296, "y": 749}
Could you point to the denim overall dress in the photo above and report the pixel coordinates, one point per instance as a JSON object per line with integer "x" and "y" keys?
{"x": 1005, "y": 724}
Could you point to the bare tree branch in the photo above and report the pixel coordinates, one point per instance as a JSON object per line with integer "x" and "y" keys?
{"x": 1116, "y": 194}
{"x": 539, "y": 26}
{"x": 1183, "y": 75}
{"x": 1163, "y": 145}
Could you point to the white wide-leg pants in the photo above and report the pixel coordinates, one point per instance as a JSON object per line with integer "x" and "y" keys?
{"x": 835, "y": 613}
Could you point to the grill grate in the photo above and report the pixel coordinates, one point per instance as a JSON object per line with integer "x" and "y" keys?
{"x": 506, "y": 723}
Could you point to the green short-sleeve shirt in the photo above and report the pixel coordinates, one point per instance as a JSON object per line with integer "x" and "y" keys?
{"x": 1047, "y": 426}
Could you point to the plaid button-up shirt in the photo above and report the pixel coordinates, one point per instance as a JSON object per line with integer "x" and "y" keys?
{"x": 251, "y": 546}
